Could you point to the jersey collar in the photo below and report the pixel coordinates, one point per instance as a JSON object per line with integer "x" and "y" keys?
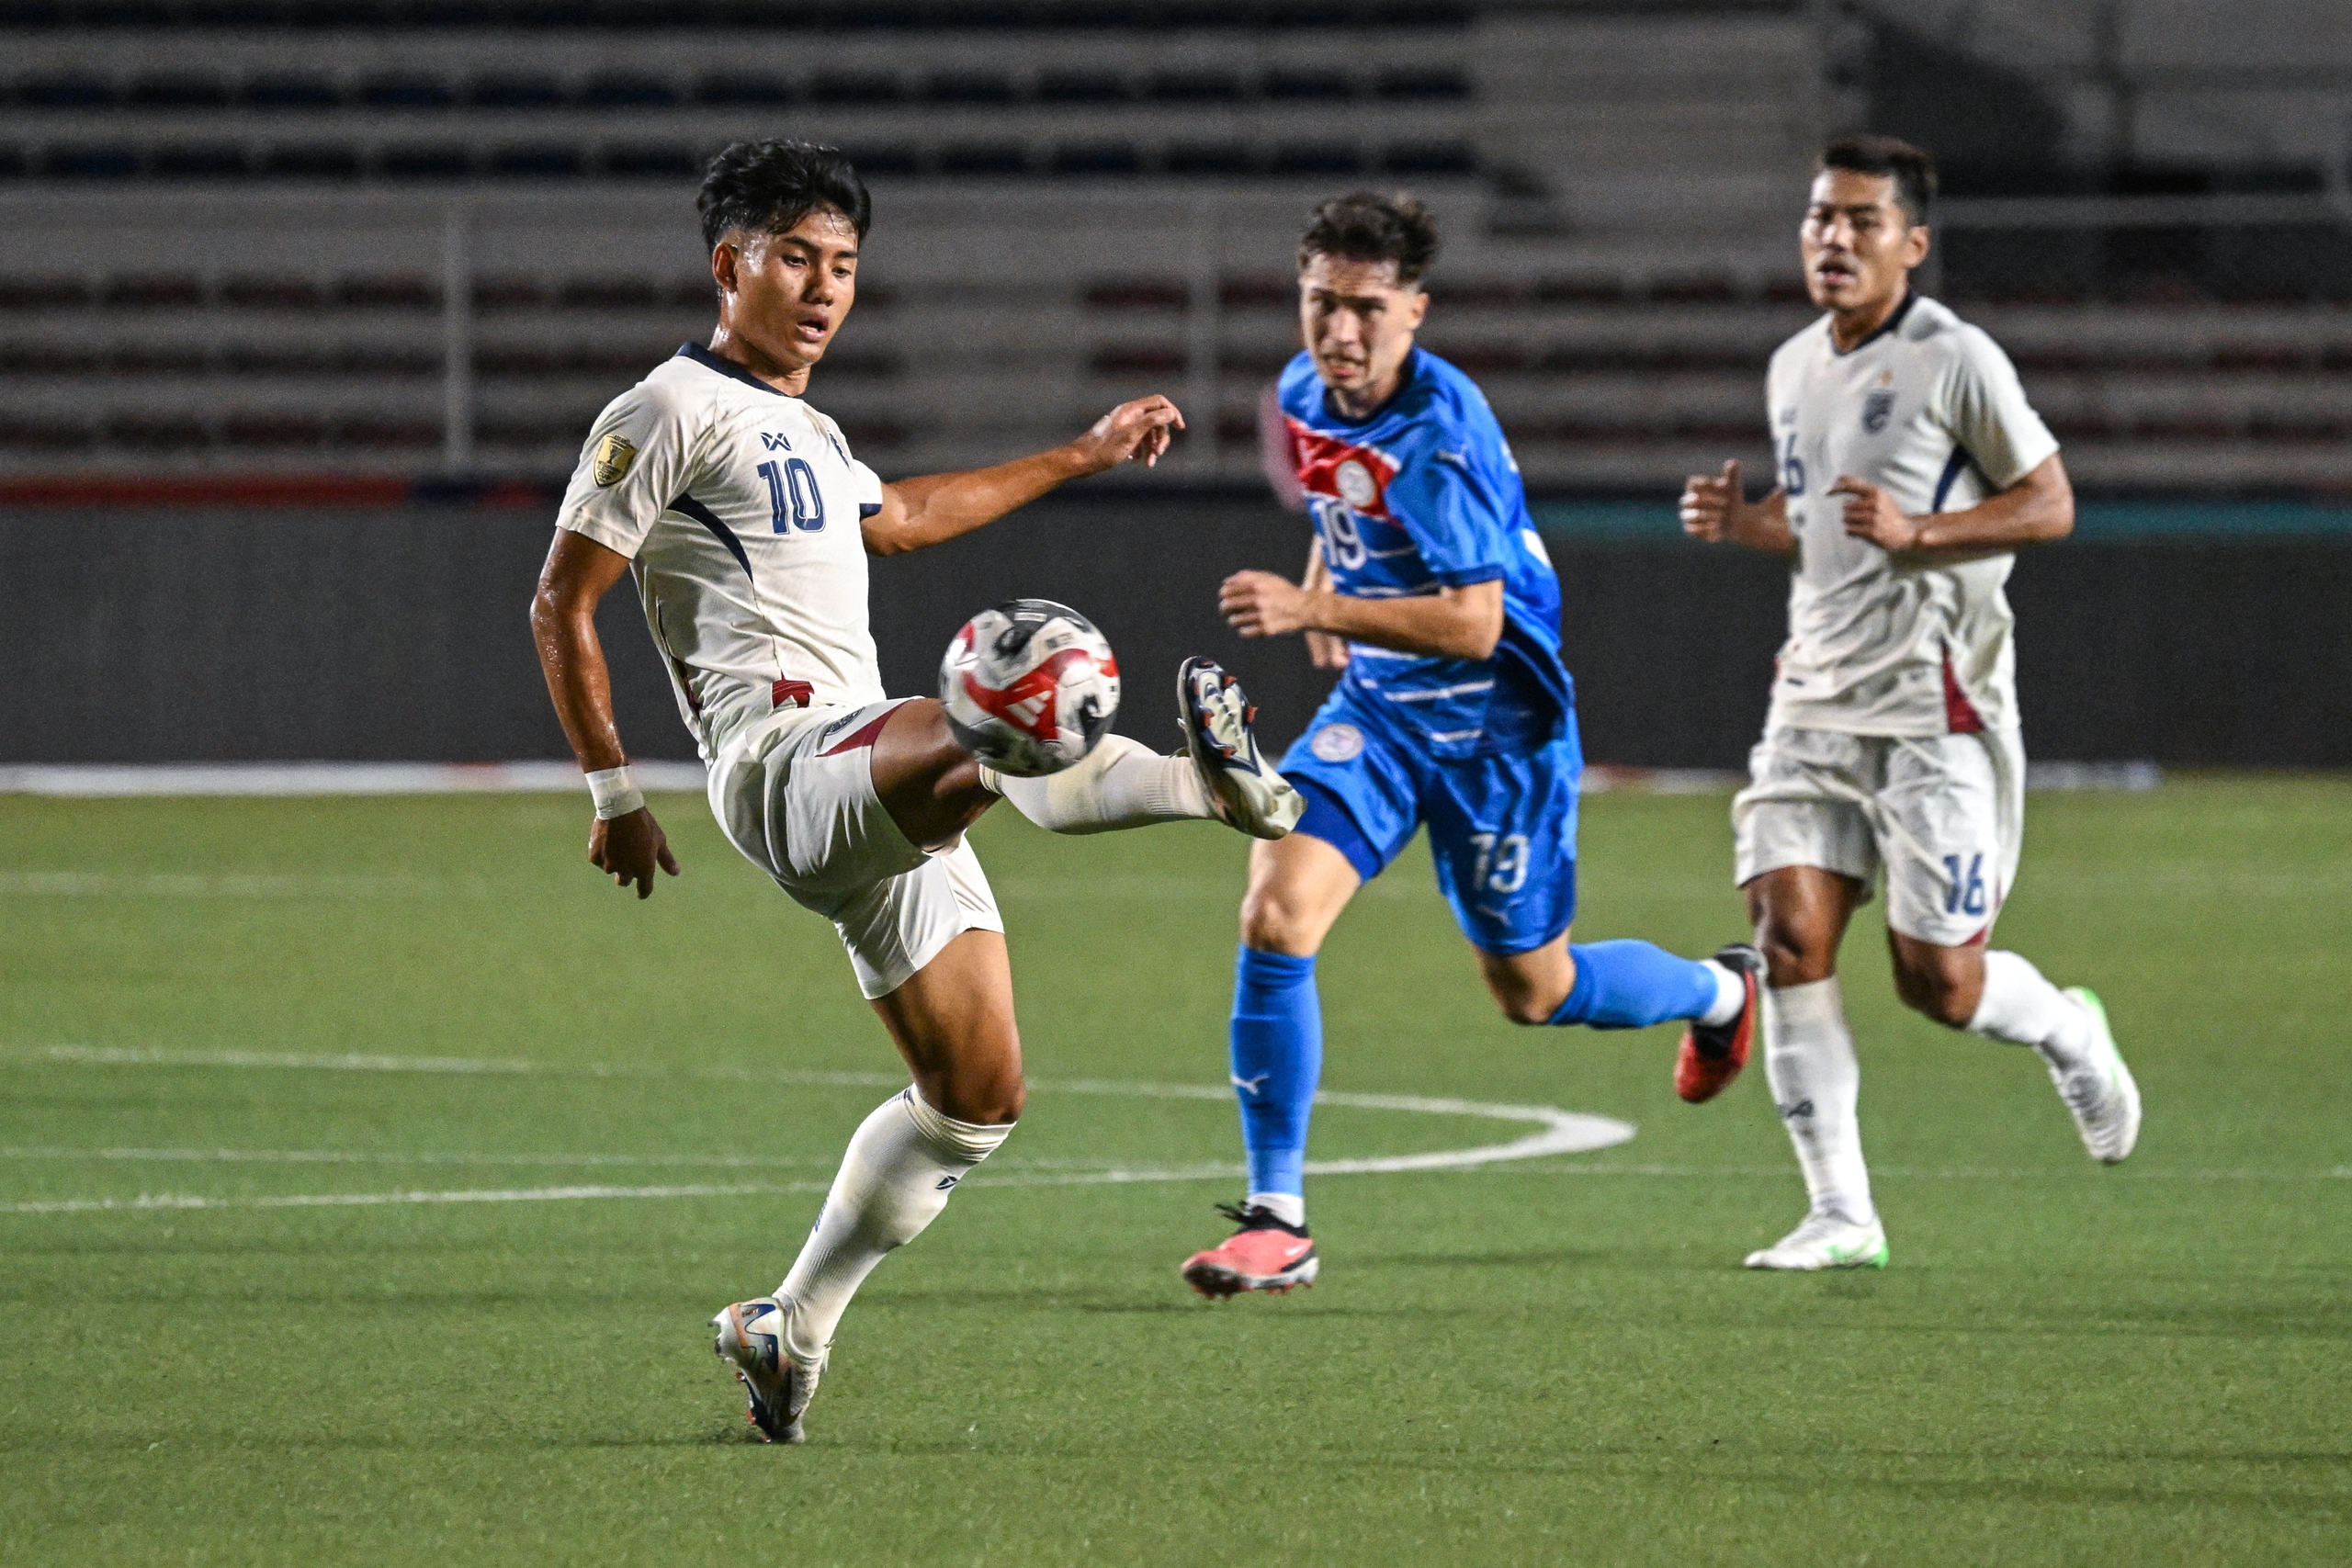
{"x": 710, "y": 361}
{"x": 1910, "y": 297}
{"x": 1332, "y": 416}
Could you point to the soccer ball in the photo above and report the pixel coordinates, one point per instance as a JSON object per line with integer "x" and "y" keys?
{"x": 1030, "y": 687}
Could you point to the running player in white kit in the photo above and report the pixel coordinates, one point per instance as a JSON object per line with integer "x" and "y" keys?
{"x": 748, "y": 523}
{"x": 1911, "y": 468}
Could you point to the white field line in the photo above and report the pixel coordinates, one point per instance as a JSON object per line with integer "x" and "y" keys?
{"x": 378, "y": 1199}
{"x": 1924, "y": 1173}
{"x": 1559, "y": 1132}
{"x": 109, "y": 780}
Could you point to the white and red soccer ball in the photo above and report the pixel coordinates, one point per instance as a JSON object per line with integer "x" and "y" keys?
{"x": 1030, "y": 687}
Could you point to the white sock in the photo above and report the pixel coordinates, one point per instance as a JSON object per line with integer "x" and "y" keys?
{"x": 1809, "y": 1061}
{"x": 2024, "y": 1008}
{"x": 1731, "y": 994}
{"x": 1288, "y": 1207}
{"x": 901, "y": 1164}
{"x": 1121, "y": 783}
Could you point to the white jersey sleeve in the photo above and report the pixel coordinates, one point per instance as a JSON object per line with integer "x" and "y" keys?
{"x": 1981, "y": 403}
{"x": 637, "y": 459}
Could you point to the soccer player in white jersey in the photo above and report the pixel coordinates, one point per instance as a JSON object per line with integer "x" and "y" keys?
{"x": 1911, "y": 468}
{"x": 748, "y": 523}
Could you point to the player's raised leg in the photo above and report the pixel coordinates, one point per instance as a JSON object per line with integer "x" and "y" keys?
{"x": 1502, "y": 829}
{"x": 1219, "y": 775}
{"x": 2002, "y": 996}
{"x": 1953, "y": 809}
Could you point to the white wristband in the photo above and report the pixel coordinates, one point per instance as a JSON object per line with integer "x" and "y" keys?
{"x": 615, "y": 793}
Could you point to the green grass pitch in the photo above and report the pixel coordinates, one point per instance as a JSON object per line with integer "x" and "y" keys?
{"x": 1547, "y": 1361}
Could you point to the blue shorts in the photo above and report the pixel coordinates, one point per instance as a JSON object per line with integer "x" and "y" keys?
{"x": 1502, "y": 829}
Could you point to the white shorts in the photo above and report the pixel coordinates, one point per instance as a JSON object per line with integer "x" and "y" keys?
{"x": 1944, "y": 815}
{"x": 795, "y": 794}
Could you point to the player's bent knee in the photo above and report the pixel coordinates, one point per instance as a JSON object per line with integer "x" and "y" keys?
{"x": 984, "y": 1104}
{"x": 1793, "y": 956}
{"x": 1940, "y": 997}
{"x": 1524, "y": 1008}
{"x": 1271, "y": 922}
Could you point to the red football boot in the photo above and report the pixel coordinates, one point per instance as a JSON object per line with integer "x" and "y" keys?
{"x": 1264, "y": 1255}
{"x": 1712, "y": 1055}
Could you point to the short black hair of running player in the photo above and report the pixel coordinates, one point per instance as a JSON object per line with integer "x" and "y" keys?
{"x": 1369, "y": 227}
{"x": 766, "y": 187}
{"x": 1913, "y": 171}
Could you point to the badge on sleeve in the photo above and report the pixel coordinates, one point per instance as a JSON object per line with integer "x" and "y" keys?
{"x": 610, "y": 462}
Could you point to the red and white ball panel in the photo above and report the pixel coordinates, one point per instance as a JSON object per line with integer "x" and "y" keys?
{"x": 1030, "y": 687}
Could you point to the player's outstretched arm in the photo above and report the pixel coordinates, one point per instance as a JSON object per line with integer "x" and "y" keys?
{"x": 1715, "y": 510}
{"x": 933, "y": 508}
{"x": 1453, "y": 623}
{"x": 579, "y": 573}
{"x": 2035, "y": 510}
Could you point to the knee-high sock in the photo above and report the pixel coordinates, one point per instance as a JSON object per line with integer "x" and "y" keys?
{"x": 901, "y": 1164}
{"x": 1120, "y": 784}
{"x": 1277, "y": 1056}
{"x": 1628, "y": 985}
{"x": 1809, "y": 1061}
{"x": 2024, "y": 1008}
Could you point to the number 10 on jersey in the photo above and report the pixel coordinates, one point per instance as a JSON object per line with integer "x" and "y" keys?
{"x": 793, "y": 497}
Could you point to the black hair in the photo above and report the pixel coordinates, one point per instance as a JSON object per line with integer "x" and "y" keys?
{"x": 1913, "y": 171}
{"x": 766, "y": 187}
{"x": 1366, "y": 226}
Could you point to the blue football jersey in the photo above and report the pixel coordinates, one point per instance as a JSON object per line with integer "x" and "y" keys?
{"x": 1424, "y": 495}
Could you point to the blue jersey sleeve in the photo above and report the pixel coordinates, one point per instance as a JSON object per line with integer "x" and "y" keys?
{"x": 1456, "y": 520}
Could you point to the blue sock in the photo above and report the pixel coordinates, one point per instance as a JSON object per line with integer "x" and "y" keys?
{"x": 1277, "y": 1056}
{"x": 1630, "y": 985}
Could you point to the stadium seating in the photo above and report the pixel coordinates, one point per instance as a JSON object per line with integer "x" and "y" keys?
{"x": 235, "y": 229}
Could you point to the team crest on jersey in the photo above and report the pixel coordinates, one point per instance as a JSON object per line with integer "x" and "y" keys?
{"x": 1341, "y": 469}
{"x": 611, "y": 460}
{"x": 1338, "y": 743}
{"x": 1876, "y": 409}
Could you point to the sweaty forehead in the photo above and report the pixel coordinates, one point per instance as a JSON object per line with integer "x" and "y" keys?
{"x": 823, "y": 229}
{"x": 1350, "y": 276}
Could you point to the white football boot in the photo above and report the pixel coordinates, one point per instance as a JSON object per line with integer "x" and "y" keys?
{"x": 751, "y": 1340}
{"x": 1826, "y": 1241}
{"x": 1245, "y": 790}
{"x": 2099, "y": 1090}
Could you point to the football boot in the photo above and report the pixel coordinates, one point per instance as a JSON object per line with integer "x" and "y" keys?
{"x": 1712, "y": 1053}
{"x": 1826, "y": 1241}
{"x": 2099, "y": 1090}
{"x": 1244, "y": 789}
{"x": 751, "y": 1340}
{"x": 1265, "y": 1254}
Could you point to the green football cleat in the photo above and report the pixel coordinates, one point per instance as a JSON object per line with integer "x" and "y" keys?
{"x": 2100, "y": 1090}
{"x": 1826, "y": 1241}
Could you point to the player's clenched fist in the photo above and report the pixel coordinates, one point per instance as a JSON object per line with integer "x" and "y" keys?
{"x": 1260, "y": 604}
{"x": 1708, "y": 504}
{"x": 1138, "y": 431}
{"x": 1872, "y": 514}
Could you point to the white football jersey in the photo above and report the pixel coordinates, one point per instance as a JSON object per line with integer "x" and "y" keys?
{"x": 739, "y": 508}
{"x": 1931, "y": 408}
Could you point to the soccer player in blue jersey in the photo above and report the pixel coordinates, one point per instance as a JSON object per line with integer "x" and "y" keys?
{"x": 1430, "y": 589}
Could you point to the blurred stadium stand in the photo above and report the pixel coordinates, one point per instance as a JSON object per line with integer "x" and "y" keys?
{"x": 389, "y": 251}
{"x": 277, "y": 235}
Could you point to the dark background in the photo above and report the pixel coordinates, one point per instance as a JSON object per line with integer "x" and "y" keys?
{"x": 401, "y": 634}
